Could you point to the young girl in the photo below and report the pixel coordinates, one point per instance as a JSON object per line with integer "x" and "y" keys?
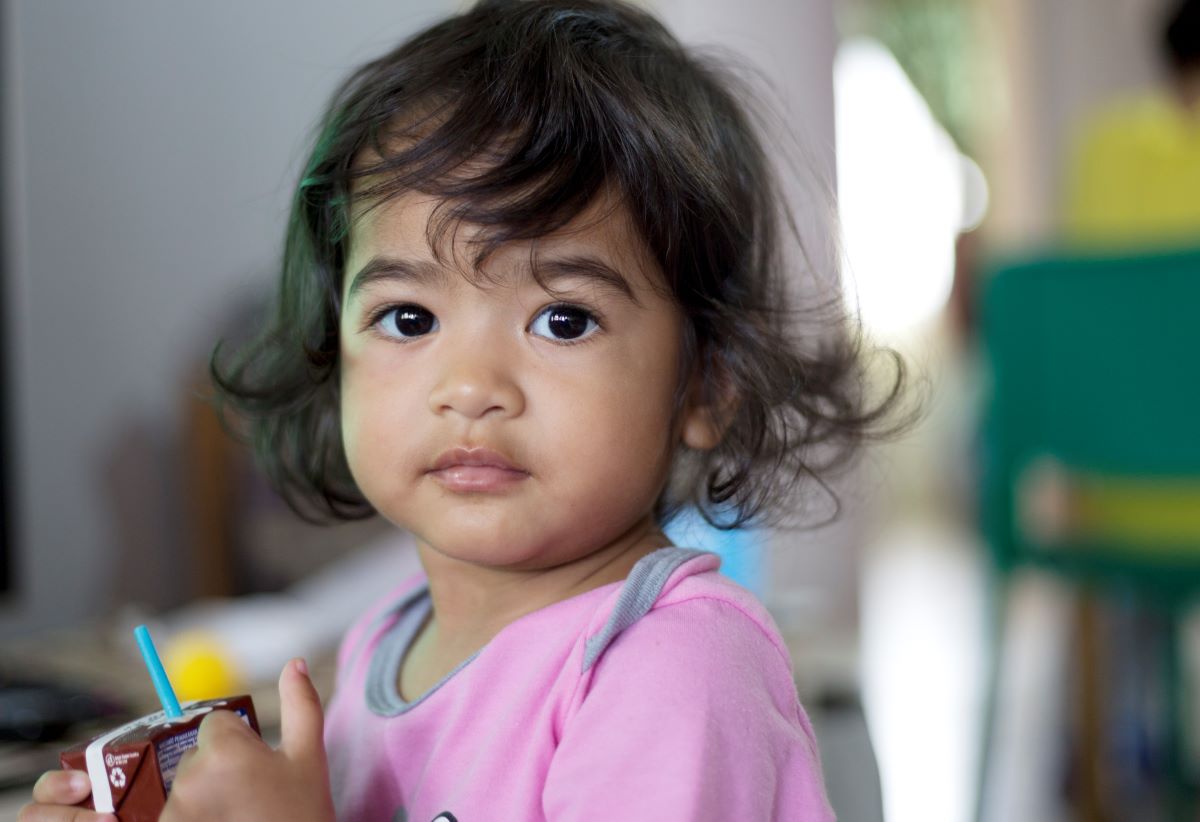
{"x": 532, "y": 304}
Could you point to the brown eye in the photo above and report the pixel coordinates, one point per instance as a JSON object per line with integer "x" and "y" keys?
{"x": 564, "y": 322}
{"x": 407, "y": 321}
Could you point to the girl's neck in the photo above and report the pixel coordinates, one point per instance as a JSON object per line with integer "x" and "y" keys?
{"x": 472, "y": 603}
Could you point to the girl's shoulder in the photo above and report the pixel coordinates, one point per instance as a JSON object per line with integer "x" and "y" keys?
{"x": 679, "y": 597}
{"x": 690, "y": 690}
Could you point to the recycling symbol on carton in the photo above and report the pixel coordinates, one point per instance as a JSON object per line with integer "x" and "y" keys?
{"x": 117, "y": 777}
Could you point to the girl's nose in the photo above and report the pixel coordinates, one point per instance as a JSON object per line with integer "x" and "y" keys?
{"x": 476, "y": 385}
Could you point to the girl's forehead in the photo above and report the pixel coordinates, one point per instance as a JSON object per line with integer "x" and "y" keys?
{"x": 411, "y": 226}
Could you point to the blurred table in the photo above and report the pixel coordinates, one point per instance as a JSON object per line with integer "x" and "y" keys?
{"x": 91, "y": 658}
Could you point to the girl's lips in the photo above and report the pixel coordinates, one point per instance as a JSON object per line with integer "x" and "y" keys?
{"x": 475, "y": 469}
{"x": 473, "y": 458}
{"x": 476, "y": 478}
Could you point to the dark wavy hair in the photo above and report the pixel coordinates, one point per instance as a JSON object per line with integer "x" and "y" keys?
{"x": 1181, "y": 36}
{"x": 517, "y": 114}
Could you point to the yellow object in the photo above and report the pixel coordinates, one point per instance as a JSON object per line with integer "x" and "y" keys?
{"x": 1149, "y": 515}
{"x": 1156, "y": 515}
{"x": 200, "y": 668}
{"x": 1135, "y": 176}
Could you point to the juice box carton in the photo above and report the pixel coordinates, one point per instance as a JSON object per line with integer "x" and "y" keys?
{"x": 132, "y": 767}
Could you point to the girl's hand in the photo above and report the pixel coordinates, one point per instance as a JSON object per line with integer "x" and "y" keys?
{"x": 233, "y": 775}
{"x": 55, "y": 793}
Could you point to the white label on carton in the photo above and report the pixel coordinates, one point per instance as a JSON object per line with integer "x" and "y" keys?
{"x": 93, "y": 755}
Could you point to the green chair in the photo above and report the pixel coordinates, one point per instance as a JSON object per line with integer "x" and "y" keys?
{"x": 1091, "y": 446}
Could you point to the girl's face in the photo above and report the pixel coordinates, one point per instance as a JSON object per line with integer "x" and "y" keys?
{"x": 501, "y": 424}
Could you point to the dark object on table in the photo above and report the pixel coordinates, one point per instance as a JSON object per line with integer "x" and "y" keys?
{"x": 42, "y": 711}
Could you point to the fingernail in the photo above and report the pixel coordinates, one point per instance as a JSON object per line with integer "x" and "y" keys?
{"x": 80, "y": 782}
{"x": 302, "y": 666}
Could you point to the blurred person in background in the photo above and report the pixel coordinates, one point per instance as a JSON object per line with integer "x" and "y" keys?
{"x": 1134, "y": 170}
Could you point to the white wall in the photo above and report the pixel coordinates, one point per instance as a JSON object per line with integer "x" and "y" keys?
{"x": 154, "y": 148}
{"x": 792, "y": 44}
{"x": 791, "y": 41}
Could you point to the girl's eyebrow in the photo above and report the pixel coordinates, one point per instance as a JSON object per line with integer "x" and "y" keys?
{"x": 381, "y": 269}
{"x": 584, "y": 267}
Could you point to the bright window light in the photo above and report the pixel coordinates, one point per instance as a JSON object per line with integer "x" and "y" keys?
{"x": 904, "y": 192}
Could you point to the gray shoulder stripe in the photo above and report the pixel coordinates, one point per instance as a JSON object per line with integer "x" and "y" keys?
{"x": 638, "y": 595}
{"x": 390, "y": 614}
{"x": 377, "y": 623}
{"x": 383, "y": 672}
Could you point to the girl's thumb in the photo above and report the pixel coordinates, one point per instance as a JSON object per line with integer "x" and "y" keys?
{"x": 302, "y": 723}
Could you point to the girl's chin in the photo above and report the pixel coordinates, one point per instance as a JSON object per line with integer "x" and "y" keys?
{"x": 492, "y": 553}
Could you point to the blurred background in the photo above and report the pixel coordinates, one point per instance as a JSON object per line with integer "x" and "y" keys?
{"x": 997, "y": 626}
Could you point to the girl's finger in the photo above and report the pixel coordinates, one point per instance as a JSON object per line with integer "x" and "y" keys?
{"x": 185, "y": 762}
{"x": 62, "y": 787}
{"x": 300, "y": 716}
{"x": 60, "y": 813}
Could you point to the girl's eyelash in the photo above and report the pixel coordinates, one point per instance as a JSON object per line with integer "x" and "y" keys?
{"x": 586, "y": 309}
{"x": 571, "y": 306}
{"x": 374, "y": 316}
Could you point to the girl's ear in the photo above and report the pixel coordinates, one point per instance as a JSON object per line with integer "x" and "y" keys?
{"x": 706, "y": 419}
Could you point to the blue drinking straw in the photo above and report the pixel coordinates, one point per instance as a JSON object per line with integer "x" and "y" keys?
{"x": 166, "y": 694}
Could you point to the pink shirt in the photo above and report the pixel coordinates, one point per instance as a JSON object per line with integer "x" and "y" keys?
{"x": 666, "y": 696}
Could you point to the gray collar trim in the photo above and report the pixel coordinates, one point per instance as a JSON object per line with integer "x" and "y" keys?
{"x": 383, "y": 694}
{"x": 639, "y": 592}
